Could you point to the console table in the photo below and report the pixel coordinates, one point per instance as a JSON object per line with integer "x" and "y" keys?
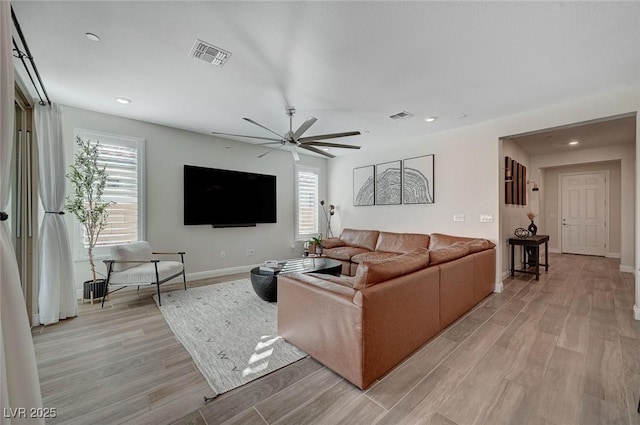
{"x": 533, "y": 242}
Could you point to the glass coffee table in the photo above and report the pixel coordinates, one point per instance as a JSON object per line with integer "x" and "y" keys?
{"x": 265, "y": 282}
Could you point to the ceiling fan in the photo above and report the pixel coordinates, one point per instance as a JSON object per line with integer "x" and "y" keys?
{"x": 295, "y": 139}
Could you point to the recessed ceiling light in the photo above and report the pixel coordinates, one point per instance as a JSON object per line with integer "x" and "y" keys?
{"x": 324, "y": 149}
{"x": 573, "y": 142}
{"x": 91, "y": 36}
{"x": 123, "y": 100}
{"x": 431, "y": 119}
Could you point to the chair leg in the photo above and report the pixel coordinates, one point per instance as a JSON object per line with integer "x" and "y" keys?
{"x": 159, "y": 301}
{"x": 106, "y": 290}
{"x": 184, "y": 278}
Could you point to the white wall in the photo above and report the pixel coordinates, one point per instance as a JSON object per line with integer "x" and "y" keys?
{"x": 553, "y": 210}
{"x": 626, "y": 155}
{"x": 167, "y": 150}
{"x": 468, "y": 171}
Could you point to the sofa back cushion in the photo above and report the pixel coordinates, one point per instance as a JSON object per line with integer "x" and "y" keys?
{"x": 332, "y": 243}
{"x": 448, "y": 253}
{"x": 440, "y": 240}
{"x": 134, "y": 251}
{"x": 401, "y": 243}
{"x": 370, "y": 272}
{"x": 366, "y": 239}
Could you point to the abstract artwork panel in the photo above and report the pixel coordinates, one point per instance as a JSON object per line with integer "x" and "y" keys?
{"x": 515, "y": 191}
{"x": 364, "y": 186}
{"x": 417, "y": 180}
{"x": 388, "y": 183}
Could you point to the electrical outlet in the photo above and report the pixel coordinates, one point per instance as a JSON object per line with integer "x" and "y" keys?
{"x": 223, "y": 254}
{"x": 486, "y": 218}
{"x": 458, "y": 217}
{"x": 251, "y": 252}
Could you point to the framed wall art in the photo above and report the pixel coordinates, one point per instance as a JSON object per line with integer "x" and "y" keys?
{"x": 364, "y": 186}
{"x": 417, "y": 180}
{"x": 388, "y": 183}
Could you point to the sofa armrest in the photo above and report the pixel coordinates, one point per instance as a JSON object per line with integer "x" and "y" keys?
{"x": 320, "y": 318}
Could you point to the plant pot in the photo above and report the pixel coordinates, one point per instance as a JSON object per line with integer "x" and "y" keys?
{"x": 312, "y": 249}
{"x": 98, "y": 286}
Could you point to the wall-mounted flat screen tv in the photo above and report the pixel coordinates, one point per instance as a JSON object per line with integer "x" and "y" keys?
{"x": 226, "y": 198}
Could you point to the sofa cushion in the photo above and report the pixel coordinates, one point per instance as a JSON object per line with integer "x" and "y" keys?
{"x": 375, "y": 255}
{"x": 134, "y": 251}
{"x": 448, "y": 253}
{"x": 332, "y": 243}
{"x": 401, "y": 243}
{"x": 375, "y": 271}
{"x": 343, "y": 252}
{"x": 440, "y": 240}
{"x": 478, "y": 245}
{"x": 360, "y": 238}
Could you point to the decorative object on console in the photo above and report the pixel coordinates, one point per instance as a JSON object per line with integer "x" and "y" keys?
{"x": 417, "y": 180}
{"x": 89, "y": 179}
{"x": 521, "y": 232}
{"x": 532, "y": 227}
{"x": 515, "y": 182}
{"x": 388, "y": 184}
{"x": 364, "y": 186}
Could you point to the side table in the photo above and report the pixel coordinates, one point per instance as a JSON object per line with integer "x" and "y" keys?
{"x": 534, "y": 242}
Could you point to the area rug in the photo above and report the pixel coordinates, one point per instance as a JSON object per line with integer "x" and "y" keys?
{"x": 230, "y": 333}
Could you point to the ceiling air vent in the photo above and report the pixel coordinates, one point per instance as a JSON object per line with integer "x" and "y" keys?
{"x": 209, "y": 53}
{"x": 401, "y": 115}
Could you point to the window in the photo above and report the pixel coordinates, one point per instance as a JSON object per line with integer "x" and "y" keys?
{"x": 123, "y": 158}
{"x": 307, "y": 190}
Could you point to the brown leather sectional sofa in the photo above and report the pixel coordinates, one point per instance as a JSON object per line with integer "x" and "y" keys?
{"x": 400, "y": 290}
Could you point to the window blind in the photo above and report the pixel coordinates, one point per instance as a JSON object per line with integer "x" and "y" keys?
{"x": 121, "y": 164}
{"x": 307, "y": 202}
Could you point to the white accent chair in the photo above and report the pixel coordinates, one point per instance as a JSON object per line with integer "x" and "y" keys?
{"x": 133, "y": 264}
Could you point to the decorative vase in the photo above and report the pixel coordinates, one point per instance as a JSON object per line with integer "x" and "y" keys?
{"x": 533, "y": 229}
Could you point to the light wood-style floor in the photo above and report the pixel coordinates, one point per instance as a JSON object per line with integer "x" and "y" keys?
{"x": 563, "y": 350}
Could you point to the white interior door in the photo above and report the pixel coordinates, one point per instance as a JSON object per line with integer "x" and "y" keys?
{"x": 583, "y": 213}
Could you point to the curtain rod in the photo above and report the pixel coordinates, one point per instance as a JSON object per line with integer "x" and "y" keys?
{"x": 27, "y": 54}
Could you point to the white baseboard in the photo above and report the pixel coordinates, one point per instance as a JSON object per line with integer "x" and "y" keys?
{"x": 555, "y": 251}
{"x": 498, "y": 287}
{"x": 627, "y": 269}
{"x": 636, "y": 312}
{"x": 613, "y": 255}
{"x": 197, "y": 276}
{"x": 35, "y": 320}
{"x": 505, "y": 275}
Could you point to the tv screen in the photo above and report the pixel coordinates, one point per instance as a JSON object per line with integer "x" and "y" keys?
{"x": 226, "y": 198}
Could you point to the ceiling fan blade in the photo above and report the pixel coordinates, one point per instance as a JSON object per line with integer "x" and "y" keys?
{"x": 262, "y": 126}
{"x": 312, "y": 149}
{"x": 294, "y": 152}
{"x": 330, "y": 145}
{"x": 304, "y": 127}
{"x": 270, "y": 150}
{"x": 250, "y": 137}
{"x": 328, "y": 136}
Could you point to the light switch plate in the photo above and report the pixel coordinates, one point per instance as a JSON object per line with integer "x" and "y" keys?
{"x": 486, "y": 218}
{"x": 458, "y": 217}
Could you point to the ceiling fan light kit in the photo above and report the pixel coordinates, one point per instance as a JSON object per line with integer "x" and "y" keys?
{"x": 295, "y": 139}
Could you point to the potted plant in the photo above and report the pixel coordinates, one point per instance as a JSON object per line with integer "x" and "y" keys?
{"x": 88, "y": 179}
{"x": 315, "y": 245}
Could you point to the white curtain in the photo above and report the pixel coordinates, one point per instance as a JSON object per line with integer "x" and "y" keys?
{"x": 57, "y": 298}
{"x": 19, "y": 386}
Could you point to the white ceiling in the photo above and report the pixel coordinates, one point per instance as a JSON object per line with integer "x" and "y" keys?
{"x": 350, "y": 64}
{"x": 608, "y": 131}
